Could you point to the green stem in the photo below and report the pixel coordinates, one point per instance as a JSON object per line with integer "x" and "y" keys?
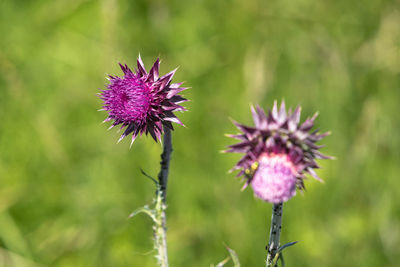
{"x": 161, "y": 217}
{"x": 274, "y": 234}
{"x": 160, "y": 231}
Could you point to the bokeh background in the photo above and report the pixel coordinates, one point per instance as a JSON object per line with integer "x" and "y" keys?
{"x": 67, "y": 188}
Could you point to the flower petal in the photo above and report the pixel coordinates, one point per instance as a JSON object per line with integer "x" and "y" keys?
{"x": 153, "y": 74}
{"x": 141, "y": 70}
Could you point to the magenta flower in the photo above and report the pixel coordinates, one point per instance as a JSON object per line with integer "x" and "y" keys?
{"x": 278, "y": 152}
{"x": 142, "y": 102}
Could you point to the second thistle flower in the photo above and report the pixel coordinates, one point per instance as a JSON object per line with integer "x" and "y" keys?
{"x": 142, "y": 102}
{"x": 278, "y": 152}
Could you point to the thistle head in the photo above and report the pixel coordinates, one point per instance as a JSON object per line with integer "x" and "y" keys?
{"x": 142, "y": 102}
{"x": 278, "y": 152}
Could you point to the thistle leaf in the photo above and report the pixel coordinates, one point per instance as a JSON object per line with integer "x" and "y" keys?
{"x": 146, "y": 210}
{"x": 234, "y": 257}
{"x": 281, "y": 258}
{"x": 222, "y": 263}
{"x": 148, "y": 176}
{"x": 286, "y": 245}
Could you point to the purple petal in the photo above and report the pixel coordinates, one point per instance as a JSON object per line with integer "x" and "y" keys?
{"x": 133, "y": 139}
{"x": 314, "y": 116}
{"x": 275, "y": 110}
{"x": 166, "y": 105}
{"x": 158, "y": 124}
{"x": 245, "y": 129}
{"x": 270, "y": 143}
{"x": 262, "y": 118}
{"x": 166, "y": 79}
{"x": 240, "y": 147}
{"x": 125, "y": 70}
{"x": 237, "y": 136}
{"x": 307, "y": 125}
{"x": 314, "y": 175}
{"x": 172, "y": 118}
{"x": 256, "y": 119}
{"x": 151, "y": 130}
{"x": 319, "y": 155}
{"x": 108, "y": 119}
{"x": 173, "y": 91}
{"x": 153, "y": 74}
{"x": 282, "y": 113}
{"x": 141, "y": 70}
{"x": 168, "y": 124}
{"x": 318, "y": 137}
{"x": 175, "y": 85}
{"x": 178, "y": 99}
{"x": 294, "y": 119}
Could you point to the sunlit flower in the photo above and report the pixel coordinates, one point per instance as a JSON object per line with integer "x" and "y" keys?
{"x": 278, "y": 152}
{"x": 142, "y": 102}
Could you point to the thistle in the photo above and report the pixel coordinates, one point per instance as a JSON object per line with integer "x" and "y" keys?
{"x": 142, "y": 102}
{"x": 278, "y": 152}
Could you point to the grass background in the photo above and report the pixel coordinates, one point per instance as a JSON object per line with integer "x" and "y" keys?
{"x": 66, "y": 188}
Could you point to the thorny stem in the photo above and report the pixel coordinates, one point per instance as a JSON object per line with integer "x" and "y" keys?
{"x": 274, "y": 234}
{"x": 161, "y": 224}
{"x": 165, "y": 158}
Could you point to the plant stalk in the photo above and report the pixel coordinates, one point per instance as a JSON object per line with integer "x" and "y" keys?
{"x": 161, "y": 221}
{"x": 274, "y": 234}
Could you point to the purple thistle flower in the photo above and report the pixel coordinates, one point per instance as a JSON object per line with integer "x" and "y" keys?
{"x": 142, "y": 102}
{"x": 278, "y": 152}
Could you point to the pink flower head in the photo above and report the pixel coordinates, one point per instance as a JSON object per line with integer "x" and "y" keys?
{"x": 142, "y": 102}
{"x": 278, "y": 152}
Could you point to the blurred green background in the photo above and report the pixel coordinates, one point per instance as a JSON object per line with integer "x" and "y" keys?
{"x": 67, "y": 188}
